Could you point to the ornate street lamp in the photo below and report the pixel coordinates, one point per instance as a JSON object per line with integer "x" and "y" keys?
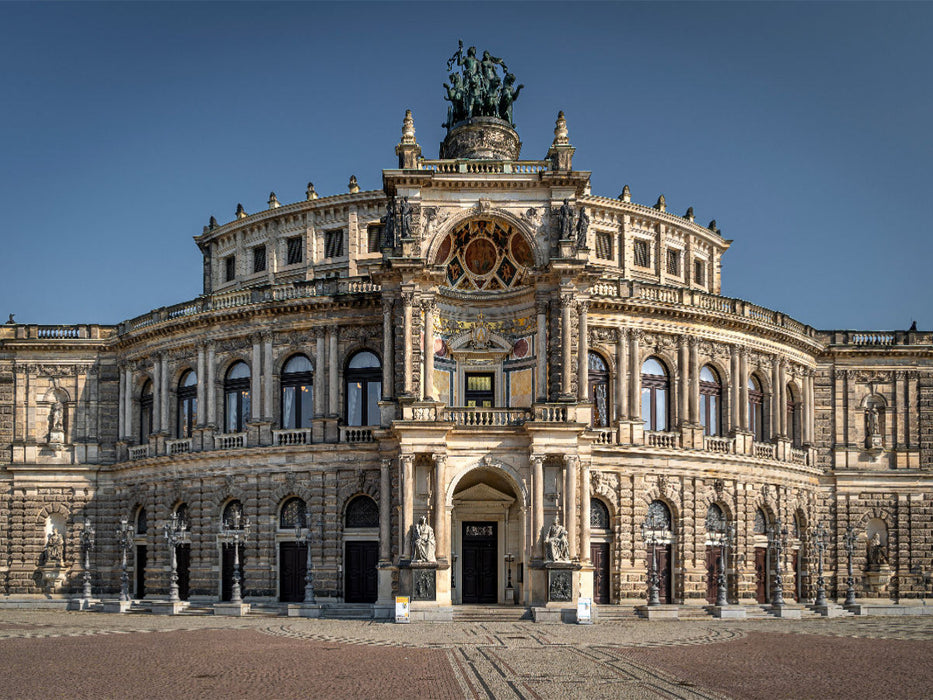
{"x": 234, "y": 534}
{"x": 850, "y": 538}
{"x": 303, "y": 536}
{"x": 649, "y": 535}
{"x": 125, "y": 535}
{"x": 820, "y": 537}
{"x": 726, "y": 538}
{"x": 777, "y": 540}
{"x": 87, "y": 542}
{"x": 176, "y": 532}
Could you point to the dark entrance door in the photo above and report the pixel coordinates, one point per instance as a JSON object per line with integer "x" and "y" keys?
{"x": 599, "y": 555}
{"x": 712, "y": 572}
{"x": 798, "y": 583}
{"x": 293, "y": 566}
{"x": 762, "y": 594}
{"x": 362, "y": 583}
{"x": 141, "y": 562}
{"x": 480, "y": 576}
{"x": 226, "y": 572}
{"x": 663, "y": 553}
{"x": 183, "y": 569}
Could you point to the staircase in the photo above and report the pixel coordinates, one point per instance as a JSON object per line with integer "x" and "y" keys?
{"x": 347, "y": 611}
{"x": 490, "y": 613}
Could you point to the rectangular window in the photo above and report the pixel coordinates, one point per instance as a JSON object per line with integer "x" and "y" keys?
{"x": 333, "y": 243}
{"x": 259, "y": 258}
{"x": 642, "y": 255}
{"x": 673, "y": 262}
{"x": 295, "y": 250}
{"x": 698, "y": 272}
{"x": 374, "y": 235}
{"x": 603, "y": 245}
{"x": 479, "y": 391}
{"x": 230, "y": 268}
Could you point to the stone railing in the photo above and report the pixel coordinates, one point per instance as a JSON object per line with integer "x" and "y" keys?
{"x": 764, "y": 450}
{"x": 351, "y": 434}
{"x": 552, "y": 413}
{"x": 295, "y": 436}
{"x": 798, "y": 456}
{"x": 662, "y": 439}
{"x": 139, "y": 452}
{"x": 230, "y": 441}
{"x": 722, "y": 445}
{"x": 604, "y": 436}
{"x": 485, "y": 167}
{"x": 487, "y": 417}
{"x": 31, "y": 331}
{"x": 178, "y": 447}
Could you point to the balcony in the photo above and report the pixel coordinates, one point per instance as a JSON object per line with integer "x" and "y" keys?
{"x": 487, "y": 417}
{"x": 178, "y": 447}
{"x": 230, "y": 441}
{"x": 297, "y": 436}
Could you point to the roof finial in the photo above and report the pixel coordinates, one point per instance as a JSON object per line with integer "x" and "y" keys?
{"x": 408, "y": 128}
{"x": 353, "y": 186}
{"x": 626, "y": 195}
{"x": 689, "y": 215}
{"x": 310, "y": 193}
{"x": 241, "y": 212}
{"x": 712, "y": 226}
{"x": 560, "y": 131}
{"x": 661, "y": 204}
{"x": 273, "y": 201}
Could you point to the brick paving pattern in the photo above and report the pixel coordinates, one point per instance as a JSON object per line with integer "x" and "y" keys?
{"x": 57, "y": 654}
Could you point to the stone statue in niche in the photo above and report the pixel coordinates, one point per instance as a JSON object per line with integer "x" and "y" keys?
{"x": 403, "y": 211}
{"x": 389, "y": 233}
{"x": 556, "y": 543}
{"x": 873, "y": 437}
{"x": 877, "y": 557}
{"x": 566, "y": 221}
{"x": 57, "y": 422}
{"x": 583, "y": 226}
{"x": 55, "y": 549}
{"x": 423, "y": 542}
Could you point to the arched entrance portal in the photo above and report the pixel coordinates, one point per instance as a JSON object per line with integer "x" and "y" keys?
{"x": 487, "y": 538}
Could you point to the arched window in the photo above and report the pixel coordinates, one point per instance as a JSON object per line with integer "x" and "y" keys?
{"x": 599, "y": 515}
{"x": 297, "y": 393}
{"x": 233, "y": 515}
{"x": 710, "y": 401}
{"x": 761, "y": 522}
{"x": 142, "y": 524}
{"x": 793, "y": 429}
{"x": 655, "y": 390}
{"x": 362, "y": 512}
{"x": 659, "y": 517}
{"x": 293, "y": 514}
{"x": 756, "y": 403}
{"x": 364, "y": 388}
{"x": 187, "y": 403}
{"x": 715, "y": 519}
{"x": 599, "y": 390}
{"x": 236, "y": 398}
{"x": 145, "y": 413}
{"x": 181, "y": 514}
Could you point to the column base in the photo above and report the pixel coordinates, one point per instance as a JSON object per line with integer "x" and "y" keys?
{"x": 727, "y": 612}
{"x": 116, "y": 606}
{"x": 658, "y": 612}
{"x": 168, "y": 607}
{"x": 231, "y": 609}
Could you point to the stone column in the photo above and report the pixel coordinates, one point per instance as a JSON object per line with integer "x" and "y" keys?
{"x": 683, "y": 386}
{"x": 163, "y": 423}
{"x": 121, "y": 417}
{"x": 319, "y": 366}
{"x": 694, "y": 383}
{"x": 407, "y": 299}
{"x": 743, "y": 390}
{"x": 385, "y": 498}
{"x": 211, "y": 388}
{"x": 634, "y": 368}
{"x": 332, "y": 361}
{"x": 585, "y": 511}
{"x": 440, "y": 512}
{"x": 541, "y": 388}
{"x": 202, "y": 393}
{"x": 267, "y": 411}
{"x": 427, "y": 356}
{"x": 408, "y": 510}
{"x": 156, "y": 394}
{"x": 812, "y": 399}
{"x": 255, "y": 390}
{"x": 735, "y": 390}
{"x": 128, "y": 418}
{"x": 782, "y": 405}
{"x": 570, "y": 501}
{"x": 622, "y": 410}
{"x": 775, "y": 396}
{"x": 537, "y": 506}
{"x": 388, "y": 359}
{"x": 583, "y": 353}
{"x": 566, "y": 303}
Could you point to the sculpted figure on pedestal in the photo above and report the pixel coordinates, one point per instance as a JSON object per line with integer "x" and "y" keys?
{"x": 423, "y": 542}
{"x": 54, "y": 549}
{"x": 556, "y": 543}
{"x": 566, "y": 221}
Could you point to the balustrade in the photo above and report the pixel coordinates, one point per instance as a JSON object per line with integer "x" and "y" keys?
{"x": 230, "y": 441}
{"x": 662, "y": 439}
{"x": 139, "y": 452}
{"x": 348, "y": 434}
{"x": 295, "y": 436}
{"x": 487, "y": 417}
{"x": 177, "y": 447}
{"x": 722, "y": 445}
{"x": 798, "y": 456}
{"x": 764, "y": 450}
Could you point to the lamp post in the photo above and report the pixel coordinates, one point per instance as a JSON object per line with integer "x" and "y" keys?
{"x": 819, "y": 543}
{"x": 125, "y": 535}
{"x": 849, "y": 542}
{"x": 648, "y": 534}
{"x": 777, "y": 537}
{"x": 234, "y": 533}
{"x": 303, "y": 536}
{"x": 726, "y": 538}
{"x": 87, "y": 542}
{"x": 176, "y": 532}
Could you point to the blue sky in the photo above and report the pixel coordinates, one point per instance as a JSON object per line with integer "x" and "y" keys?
{"x": 804, "y": 129}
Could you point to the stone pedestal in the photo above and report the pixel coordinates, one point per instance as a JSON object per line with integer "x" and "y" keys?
{"x": 788, "y": 612}
{"x": 423, "y": 577}
{"x": 829, "y": 610}
{"x": 658, "y": 612}
{"x": 301, "y": 610}
{"x": 484, "y": 138}
{"x": 53, "y": 576}
{"x": 168, "y": 607}
{"x": 560, "y": 580}
{"x": 116, "y": 606}
{"x": 82, "y": 603}
{"x": 231, "y": 609}
{"x": 728, "y": 612}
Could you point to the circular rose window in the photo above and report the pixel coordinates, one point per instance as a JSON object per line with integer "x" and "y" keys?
{"x": 484, "y": 255}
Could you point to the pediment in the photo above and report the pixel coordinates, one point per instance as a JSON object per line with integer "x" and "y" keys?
{"x": 484, "y": 493}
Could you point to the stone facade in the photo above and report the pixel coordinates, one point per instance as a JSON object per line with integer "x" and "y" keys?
{"x": 476, "y": 365}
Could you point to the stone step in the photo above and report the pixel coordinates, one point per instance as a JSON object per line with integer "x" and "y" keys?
{"x": 491, "y": 613}
{"x": 348, "y": 611}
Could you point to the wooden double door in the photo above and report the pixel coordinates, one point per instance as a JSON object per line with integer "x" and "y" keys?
{"x": 183, "y": 569}
{"x": 293, "y": 567}
{"x": 479, "y": 568}
{"x": 361, "y": 583}
{"x": 662, "y": 552}
{"x": 599, "y": 556}
{"x": 762, "y": 576}
{"x": 142, "y": 560}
